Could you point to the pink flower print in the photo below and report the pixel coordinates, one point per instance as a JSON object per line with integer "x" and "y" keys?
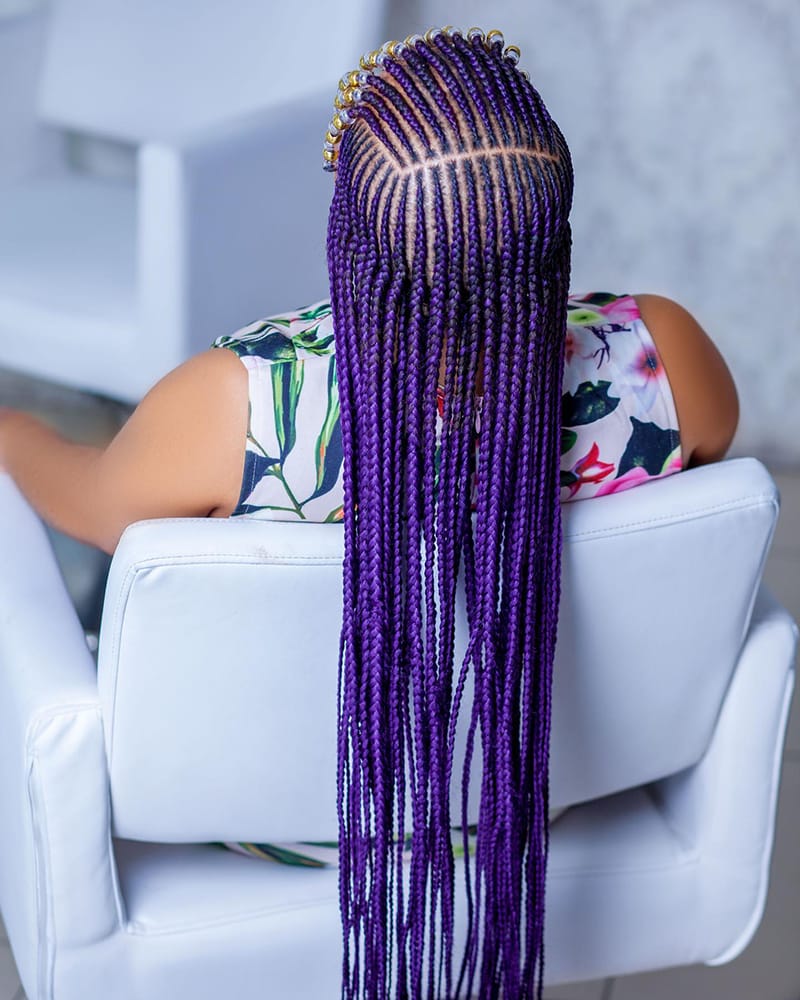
{"x": 645, "y": 371}
{"x": 588, "y": 469}
{"x": 622, "y": 310}
{"x": 647, "y": 364}
{"x": 633, "y": 477}
{"x": 674, "y": 463}
{"x": 570, "y": 346}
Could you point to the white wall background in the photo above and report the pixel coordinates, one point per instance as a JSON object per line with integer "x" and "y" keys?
{"x": 683, "y": 117}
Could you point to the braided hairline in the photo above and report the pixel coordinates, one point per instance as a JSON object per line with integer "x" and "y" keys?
{"x": 378, "y": 181}
{"x": 476, "y": 154}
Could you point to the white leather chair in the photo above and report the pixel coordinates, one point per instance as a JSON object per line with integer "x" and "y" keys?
{"x": 212, "y": 718}
{"x": 107, "y": 282}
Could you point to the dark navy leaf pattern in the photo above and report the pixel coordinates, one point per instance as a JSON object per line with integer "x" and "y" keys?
{"x": 588, "y": 404}
{"x": 287, "y": 384}
{"x": 273, "y": 346}
{"x": 648, "y": 448}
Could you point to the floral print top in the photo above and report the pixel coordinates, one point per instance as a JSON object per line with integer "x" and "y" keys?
{"x": 619, "y": 424}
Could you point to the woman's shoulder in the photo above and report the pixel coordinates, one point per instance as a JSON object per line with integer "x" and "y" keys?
{"x": 289, "y": 336}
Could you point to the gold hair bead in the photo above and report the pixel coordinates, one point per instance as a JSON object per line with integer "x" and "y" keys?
{"x": 524, "y": 74}
{"x": 371, "y": 65}
{"x": 369, "y": 60}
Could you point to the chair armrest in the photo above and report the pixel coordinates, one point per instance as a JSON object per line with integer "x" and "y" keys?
{"x": 46, "y": 663}
{"x": 724, "y": 807}
{"x": 53, "y": 776}
{"x": 233, "y": 218}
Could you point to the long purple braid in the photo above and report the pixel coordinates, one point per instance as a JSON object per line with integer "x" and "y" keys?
{"x": 448, "y": 242}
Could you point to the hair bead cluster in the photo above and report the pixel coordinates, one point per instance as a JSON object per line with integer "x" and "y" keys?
{"x": 372, "y": 65}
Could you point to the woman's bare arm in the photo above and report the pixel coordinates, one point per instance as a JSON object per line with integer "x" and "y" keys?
{"x": 180, "y": 454}
{"x": 702, "y": 386}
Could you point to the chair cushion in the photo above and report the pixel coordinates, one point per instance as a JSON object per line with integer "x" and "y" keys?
{"x": 199, "y": 743}
{"x": 631, "y": 870}
{"x": 178, "y": 887}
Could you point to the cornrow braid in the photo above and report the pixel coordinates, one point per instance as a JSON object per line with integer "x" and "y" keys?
{"x": 448, "y": 251}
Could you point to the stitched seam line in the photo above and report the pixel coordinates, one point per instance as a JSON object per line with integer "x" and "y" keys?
{"x": 759, "y": 500}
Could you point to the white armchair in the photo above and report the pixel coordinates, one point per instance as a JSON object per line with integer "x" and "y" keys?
{"x": 107, "y": 282}
{"x": 212, "y": 717}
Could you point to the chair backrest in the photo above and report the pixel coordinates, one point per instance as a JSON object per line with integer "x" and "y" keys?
{"x": 219, "y": 646}
{"x": 144, "y": 69}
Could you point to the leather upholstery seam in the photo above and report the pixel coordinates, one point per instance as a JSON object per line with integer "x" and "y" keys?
{"x": 745, "y": 503}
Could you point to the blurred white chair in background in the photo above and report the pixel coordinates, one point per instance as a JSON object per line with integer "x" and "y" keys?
{"x": 107, "y": 282}
{"x": 212, "y": 716}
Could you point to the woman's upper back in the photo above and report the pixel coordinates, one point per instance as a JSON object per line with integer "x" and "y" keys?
{"x": 619, "y": 424}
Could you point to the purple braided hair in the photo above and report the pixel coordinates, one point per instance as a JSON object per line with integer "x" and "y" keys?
{"x": 448, "y": 243}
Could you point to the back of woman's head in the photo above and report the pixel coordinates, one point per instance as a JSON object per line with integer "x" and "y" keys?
{"x": 448, "y": 251}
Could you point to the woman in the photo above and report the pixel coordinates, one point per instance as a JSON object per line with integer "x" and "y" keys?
{"x": 424, "y": 409}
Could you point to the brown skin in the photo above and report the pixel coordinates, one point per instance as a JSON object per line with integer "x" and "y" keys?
{"x": 702, "y": 387}
{"x": 181, "y": 453}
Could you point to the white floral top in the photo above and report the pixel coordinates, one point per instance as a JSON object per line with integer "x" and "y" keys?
{"x": 619, "y": 424}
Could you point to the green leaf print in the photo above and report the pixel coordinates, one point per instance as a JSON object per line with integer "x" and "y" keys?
{"x": 568, "y": 478}
{"x": 588, "y": 404}
{"x": 568, "y": 439}
{"x": 328, "y": 451}
{"x": 309, "y": 340}
{"x": 272, "y": 346}
{"x": 287, "y": 384}
{"x": 286, "y": 856}
{"x": 319, "y": 311}
{"x": 584, "y": 317}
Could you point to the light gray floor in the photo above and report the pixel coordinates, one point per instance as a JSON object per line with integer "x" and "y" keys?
{"x": 769, "y": 969}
